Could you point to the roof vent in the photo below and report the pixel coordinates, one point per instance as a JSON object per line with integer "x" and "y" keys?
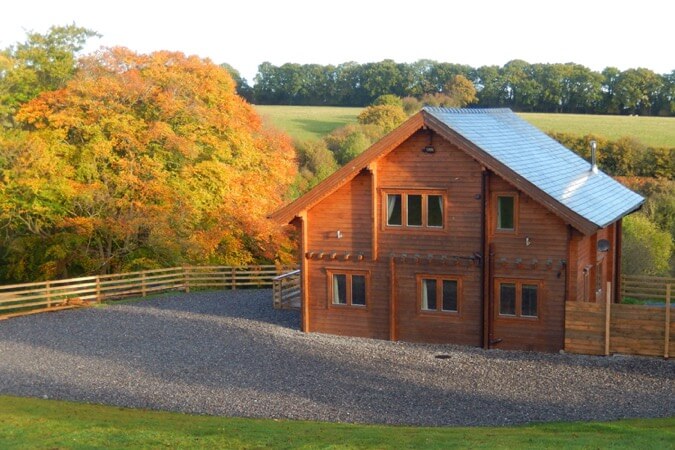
{"x": 594, "y": 164}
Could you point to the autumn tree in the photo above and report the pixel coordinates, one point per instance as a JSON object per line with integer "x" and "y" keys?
{"x": 141, "y": 161}
{"x": 461, "y": 90}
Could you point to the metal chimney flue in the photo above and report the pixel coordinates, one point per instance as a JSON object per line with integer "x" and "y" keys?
{"x": 594, "y": 164}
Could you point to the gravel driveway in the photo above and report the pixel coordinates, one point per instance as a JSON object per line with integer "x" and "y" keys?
{"x": 229, "y": 353}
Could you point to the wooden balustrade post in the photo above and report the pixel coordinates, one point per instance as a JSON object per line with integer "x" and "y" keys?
{"x": 49, "y": 294}
{"x": 186, "y": 279}
{"x": 143, "y": 285}
{"x": 608, "y": 317}
{"x": 666, "y": 343}
{"x": 234, "y": 278}
{"x": 98, "y": 289}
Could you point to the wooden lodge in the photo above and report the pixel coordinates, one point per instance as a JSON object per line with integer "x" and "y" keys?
{"x": 463, "y": 226}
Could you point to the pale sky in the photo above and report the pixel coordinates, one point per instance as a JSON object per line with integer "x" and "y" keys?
{"x": 595, "y": 33}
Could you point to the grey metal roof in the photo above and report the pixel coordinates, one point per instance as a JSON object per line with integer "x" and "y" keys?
{"x": 539, "y": 159}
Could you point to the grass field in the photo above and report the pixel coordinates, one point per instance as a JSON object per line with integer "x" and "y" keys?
{"x": 652, "y": 131}
{"x": 33, "y": 423}
{"x": 308, "y": 122}
{"x": 312, "y": 122}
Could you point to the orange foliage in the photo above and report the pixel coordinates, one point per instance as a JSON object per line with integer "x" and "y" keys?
{"x": 163, "y": 159}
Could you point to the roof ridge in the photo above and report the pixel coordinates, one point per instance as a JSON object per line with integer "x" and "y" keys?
{"x": 442, "y": 109}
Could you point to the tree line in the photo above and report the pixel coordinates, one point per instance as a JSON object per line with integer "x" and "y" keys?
{"x": 519, "y": 85}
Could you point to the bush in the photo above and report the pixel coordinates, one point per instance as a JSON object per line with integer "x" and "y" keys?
{"x": 387, "y": 117}
{"x": 411, "y": 105}
{"x": 646, "y": 248}
{"x": 388, "y": 99}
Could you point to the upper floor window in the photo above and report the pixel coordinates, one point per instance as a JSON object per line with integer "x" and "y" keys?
{"x": 507, "y": 212}
{"x": 349, "y": 288}
{"x": 414, "y": 209}
{"x": 518, "y": 298}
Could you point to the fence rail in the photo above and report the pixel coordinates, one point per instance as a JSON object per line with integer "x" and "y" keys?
{"x": 645, "y": 287}
{"x": 30, "y": 298}
{"x": 286, "y": 290}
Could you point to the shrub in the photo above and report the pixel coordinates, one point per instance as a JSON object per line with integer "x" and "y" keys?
{"x": 388, "y": 99}
{"x": 646, "y": 248}
{"x": 387, "y": 117}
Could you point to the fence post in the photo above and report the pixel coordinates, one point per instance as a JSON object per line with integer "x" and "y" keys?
{"x": 234, "y": 278}
{"x": 49, "y": 294}
{"x": 186, "y": 279}
{"x": 98, "y": 289}
{"x": 666, "y": 344}
{"x": 608, "y": 317}
{"x": 143, "y": 286}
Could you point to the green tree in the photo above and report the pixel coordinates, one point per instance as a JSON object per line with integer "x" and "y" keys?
{"x": 636, "y": 91}
{"x": 316, "y": 162}
{"x": 610, "y": 77}
{"x": 44, "y": 62}
{"x": 388, "y": 99}
{"x": 243, "y": 87}
{"x": 646, "y": 248}
{"x": 387, "y": 117}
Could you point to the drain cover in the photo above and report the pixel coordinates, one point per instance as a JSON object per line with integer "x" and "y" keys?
{"x": 442, "y": 356}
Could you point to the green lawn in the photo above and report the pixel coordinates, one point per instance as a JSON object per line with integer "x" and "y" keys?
{"x": 312, "y": 122}
{"x": 308, "y": 122}
{"x": 652, "y": 131}
{"x": 33, "y": 423}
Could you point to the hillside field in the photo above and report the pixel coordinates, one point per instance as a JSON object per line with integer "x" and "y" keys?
{"x": 312, "y": 122}
{"x": 307, "y": 122}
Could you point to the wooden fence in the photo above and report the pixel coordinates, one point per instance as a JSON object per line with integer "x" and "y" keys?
{"x": 30, "y": 298}
{"x": 605, "y": 328}
{"x": 286, "y": 290}
{"x": 644, "y": 287}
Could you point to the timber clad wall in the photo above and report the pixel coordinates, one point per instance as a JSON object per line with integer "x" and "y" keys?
{"x": 457, "y": 176}
{"x": 540, "y": 261}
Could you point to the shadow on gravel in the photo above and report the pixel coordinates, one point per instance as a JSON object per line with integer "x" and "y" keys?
{"x": 251, "y": 304}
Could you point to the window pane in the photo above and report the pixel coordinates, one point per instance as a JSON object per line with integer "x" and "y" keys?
{"x": 358, "y": 290}
{"x": 340, "y": 289}
{"x": 394, "y": 209}
{"x": 429, "y": 294}
{"x": 507, "y": 299}
{"x": 435, "y": 211}
{"x": 529, "y": 301}
{"x": 505, "y": 212}
{"x": 415, "y": 210}
{"x": 449, "y": 295}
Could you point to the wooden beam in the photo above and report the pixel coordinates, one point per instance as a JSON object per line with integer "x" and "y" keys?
{"x": 608, "y": 316}
{"x": 392, "y": 300}
{"x": 304, "y": 273}
{"x": 666, "y": 343}
{"x": 375, "y": 212}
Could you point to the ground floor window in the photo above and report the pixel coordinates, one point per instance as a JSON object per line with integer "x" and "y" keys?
{"x": 348, "y": 288}
{"x": 518, "y": 298}
{"x": 438, "y": 293}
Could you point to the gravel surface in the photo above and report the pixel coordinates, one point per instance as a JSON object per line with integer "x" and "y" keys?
{"x": 229, "y": 353}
